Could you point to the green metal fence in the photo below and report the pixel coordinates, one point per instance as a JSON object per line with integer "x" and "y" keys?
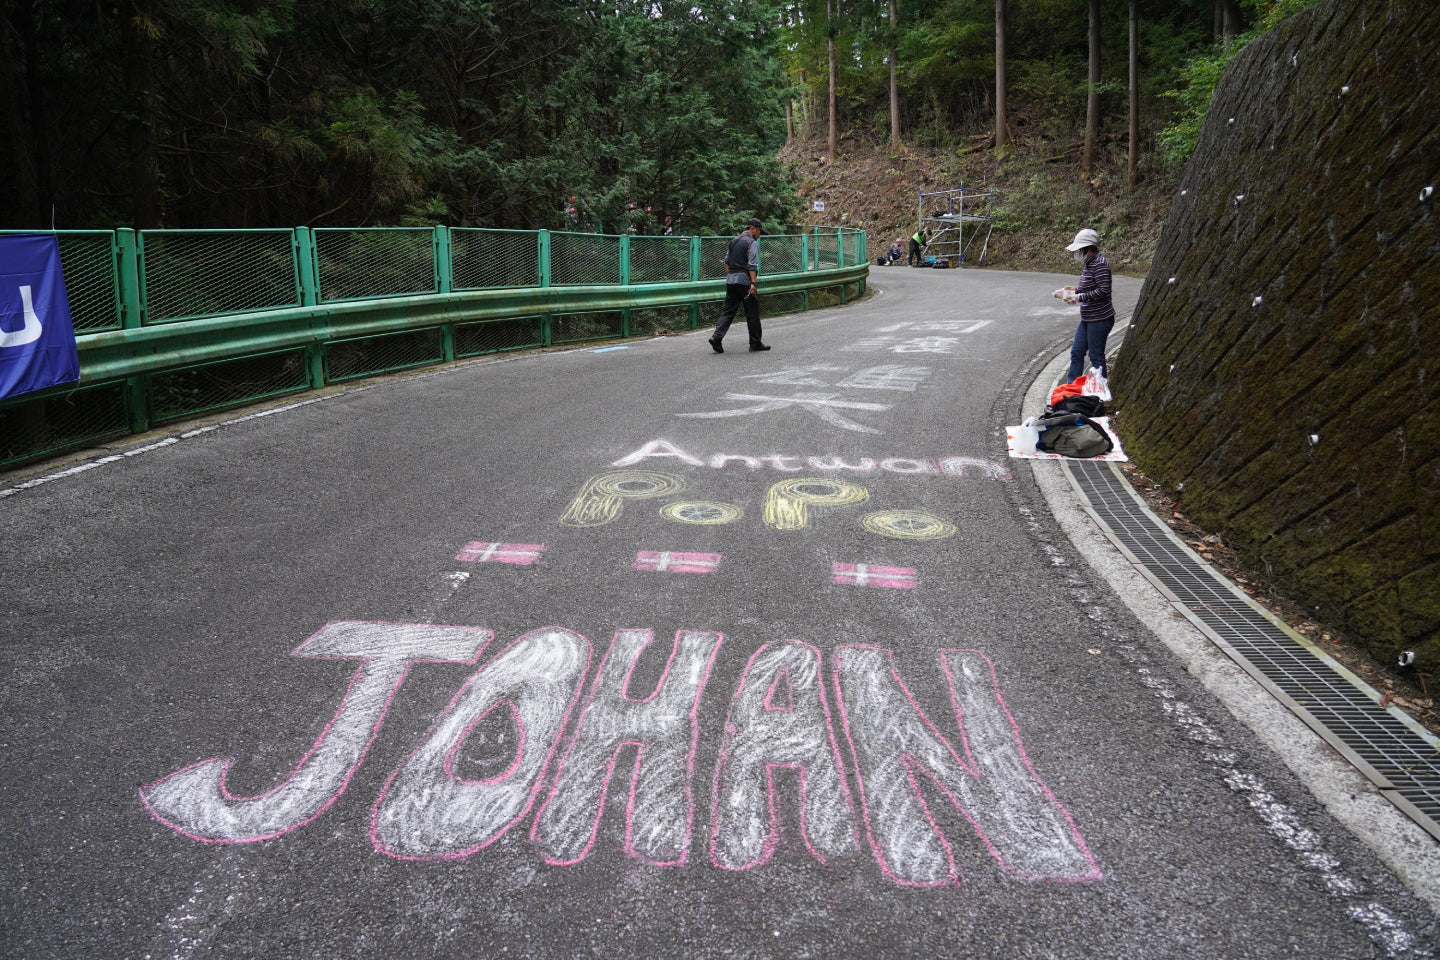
{"x": 175, "y": 323}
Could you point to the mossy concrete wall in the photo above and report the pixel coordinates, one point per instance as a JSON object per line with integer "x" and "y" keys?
{"x": 1284, "y": 359}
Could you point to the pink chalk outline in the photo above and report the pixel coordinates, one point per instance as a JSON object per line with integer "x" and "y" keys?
{"x": 781, "y": 677}
{"x": 670, "y": 561}
{"x": 639, "y": 752}
{"x": 914, "y": 767}
{"x": 772, "y": 838}
{"x": 522, "y": 554}
{"x": 869, "y": 575}
{"x": 355, "y": 679}
{"x": 449, "y": 765}
{"x": 539, "y": 777}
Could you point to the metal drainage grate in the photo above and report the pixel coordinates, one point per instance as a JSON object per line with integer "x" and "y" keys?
{"x": 1392, "y": 750}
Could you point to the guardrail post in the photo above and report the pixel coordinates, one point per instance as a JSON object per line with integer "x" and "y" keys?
{"x": 839, "y": 246}
{"x": 542, "y": 254}
{"x": 132, "y": 315}
{"x": 624, "y": 281}
{"x": 444, "y": 267}
{"x": 137, "y": 406}
{"x": 305, "y": 267}
{"x": 805, "y": 256}
{"x": 129, "y": 270}
{"x": 315, "y": 365}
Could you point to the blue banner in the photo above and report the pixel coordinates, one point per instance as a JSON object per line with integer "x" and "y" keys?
{"x": 37, "y": 340}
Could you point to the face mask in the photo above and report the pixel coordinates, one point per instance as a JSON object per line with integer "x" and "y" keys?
{"x": 1079, "y": 256}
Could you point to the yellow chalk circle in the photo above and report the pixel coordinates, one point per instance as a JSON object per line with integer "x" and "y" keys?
{"x": 908, "y": 525}
{"x": 704, "y": 514}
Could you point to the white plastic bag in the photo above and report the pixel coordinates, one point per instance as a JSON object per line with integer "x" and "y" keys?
{"x": 1096, "y": 385}
{"x": 1025, "y": 436}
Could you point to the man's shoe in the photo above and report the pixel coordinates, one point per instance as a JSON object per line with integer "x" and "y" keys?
{"x": 761, "y": 346}
{"x": 715, "y": 345}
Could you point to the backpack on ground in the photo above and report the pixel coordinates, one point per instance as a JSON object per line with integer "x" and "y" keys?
{"x": 1085, "y": 404}
{"x": 1072, "y": 435}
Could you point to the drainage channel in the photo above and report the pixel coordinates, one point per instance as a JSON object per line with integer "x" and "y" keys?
{"x": 1396, "y": 753}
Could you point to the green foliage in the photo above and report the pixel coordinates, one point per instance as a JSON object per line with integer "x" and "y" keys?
{"x": 637, "y": 115}
{"x": 1199, "y": 76}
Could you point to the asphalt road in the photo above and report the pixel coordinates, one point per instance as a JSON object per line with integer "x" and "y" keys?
{"x": 635, "y": 651}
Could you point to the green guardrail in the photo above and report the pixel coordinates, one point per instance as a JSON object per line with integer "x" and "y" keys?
{"x": 176, "y": 323}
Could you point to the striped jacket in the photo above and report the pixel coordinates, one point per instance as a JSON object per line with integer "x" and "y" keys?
{"x": 1093, "y": 290}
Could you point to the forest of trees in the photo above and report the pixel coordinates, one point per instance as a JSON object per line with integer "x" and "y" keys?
{"x": 641, "y": 115}
{"x": 935, "y": 73}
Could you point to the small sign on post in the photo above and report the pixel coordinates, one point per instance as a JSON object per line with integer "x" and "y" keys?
{"x": 819, "y": 206}
{"x": 37, "y": 339}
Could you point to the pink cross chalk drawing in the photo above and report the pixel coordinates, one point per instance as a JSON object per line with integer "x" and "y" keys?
{"x": 523, "y": 554}
{"x": 670, "y": 561}
{"x": 867, "y": 575}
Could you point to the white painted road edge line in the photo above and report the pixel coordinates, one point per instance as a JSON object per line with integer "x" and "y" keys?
{"x": 1347, "y": 794}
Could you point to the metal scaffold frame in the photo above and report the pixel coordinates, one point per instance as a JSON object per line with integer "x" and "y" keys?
{"x": 944, "y": 215}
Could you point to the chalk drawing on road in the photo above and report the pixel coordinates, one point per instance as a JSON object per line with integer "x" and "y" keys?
{"x": 673, "y": 561}
{"x": 823, "y": 405}
{"x": 1014, "y": 815}
{"x": 797, "y": 376}
{"x": 664, "y": 730}
{"x": 788, "y": 503}
{"x": 702, "y": 513}
{"x": 957, "y": 467}
{"x": 908, "y": 525}
{"x": 887, "y": 376}
{"x": 788, "y": 463}
{"x": 491, "y": 757}
{"x": 871, "y": 575}
{"x": 935, "y": 326}
{"x": 427, "y": 811}
{"x": 521, "y": 554}
{"x": 195, "y": 801}
{"x": 779, "y": 719}
{"x": 603, "y": 496}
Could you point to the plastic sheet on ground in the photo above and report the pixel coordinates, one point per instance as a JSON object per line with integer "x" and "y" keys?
{"x": 1015, "y": 442}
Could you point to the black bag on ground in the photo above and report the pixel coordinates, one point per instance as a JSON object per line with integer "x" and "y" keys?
{"x": 1086, "y": 405}
{"x": 1072, "y": 435}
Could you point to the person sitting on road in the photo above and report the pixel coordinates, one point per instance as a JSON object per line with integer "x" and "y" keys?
{"x": 896, "y": 251}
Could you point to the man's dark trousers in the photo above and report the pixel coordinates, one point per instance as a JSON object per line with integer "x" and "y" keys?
{"x": 735, "y": 295}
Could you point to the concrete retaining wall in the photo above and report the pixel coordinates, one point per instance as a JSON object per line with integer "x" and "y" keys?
{"x": 1284, "y": 361}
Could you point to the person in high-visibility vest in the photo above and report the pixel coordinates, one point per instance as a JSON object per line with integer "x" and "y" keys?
{"x": 918, "y": 242}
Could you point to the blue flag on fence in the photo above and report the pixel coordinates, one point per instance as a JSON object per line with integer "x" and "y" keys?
{"x": 37, "y": 340}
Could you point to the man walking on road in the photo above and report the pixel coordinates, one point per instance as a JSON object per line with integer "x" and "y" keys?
{"x": 742, "y": 270}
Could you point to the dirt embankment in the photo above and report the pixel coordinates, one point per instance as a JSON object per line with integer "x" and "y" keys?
{"x": 1040, "y": 200}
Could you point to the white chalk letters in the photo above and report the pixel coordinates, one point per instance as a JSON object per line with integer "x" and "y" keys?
{"x": 505, "y": 741}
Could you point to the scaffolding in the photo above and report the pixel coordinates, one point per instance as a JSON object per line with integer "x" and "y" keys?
{"x": 944, "y": 216}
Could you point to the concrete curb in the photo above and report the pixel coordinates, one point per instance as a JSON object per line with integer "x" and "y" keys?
{"x": 1349, "y": 796}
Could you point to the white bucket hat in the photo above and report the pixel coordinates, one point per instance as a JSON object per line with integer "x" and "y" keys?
{"x": 1085, "y": 238}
